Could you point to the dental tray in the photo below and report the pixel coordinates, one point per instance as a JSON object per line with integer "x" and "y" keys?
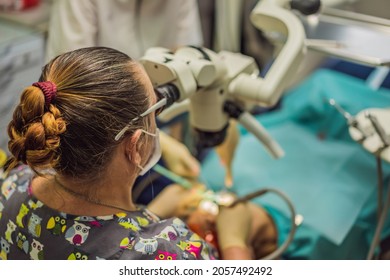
{"x": 350, "y": 36}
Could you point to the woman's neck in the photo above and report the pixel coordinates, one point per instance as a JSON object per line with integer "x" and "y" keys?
{"x": 109, "y": 194}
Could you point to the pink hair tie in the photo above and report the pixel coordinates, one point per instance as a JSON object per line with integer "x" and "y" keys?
{"x": 49, "y": 90}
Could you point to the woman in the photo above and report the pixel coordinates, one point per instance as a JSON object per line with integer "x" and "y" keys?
{"x": 84, "y": 133}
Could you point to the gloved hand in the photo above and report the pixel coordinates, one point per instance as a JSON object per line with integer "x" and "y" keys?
{"x": 233, "y": 230}
{"x": 227, "y": 149}
{"x": 178, "y": 158}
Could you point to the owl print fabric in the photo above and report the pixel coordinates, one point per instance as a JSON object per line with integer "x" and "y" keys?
{"x": 31, "y": 230}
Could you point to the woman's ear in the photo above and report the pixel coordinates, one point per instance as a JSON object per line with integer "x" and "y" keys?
{"x": 133, "y": 147}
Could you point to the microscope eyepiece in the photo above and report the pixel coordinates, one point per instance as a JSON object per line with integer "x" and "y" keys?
{"x": 168, "y": 91}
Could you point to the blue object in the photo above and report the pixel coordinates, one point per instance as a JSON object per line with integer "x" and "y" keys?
{"x": 172, "y": 176}
{"x": 354, "y": 69}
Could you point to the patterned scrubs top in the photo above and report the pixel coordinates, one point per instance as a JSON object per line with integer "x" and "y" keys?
{"x": 31, "y": 230}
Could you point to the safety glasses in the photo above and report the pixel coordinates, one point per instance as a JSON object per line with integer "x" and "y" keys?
{"x": 157, "y": 108}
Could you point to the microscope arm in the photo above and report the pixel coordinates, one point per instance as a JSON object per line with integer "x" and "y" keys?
{"x": 271, "y": 15}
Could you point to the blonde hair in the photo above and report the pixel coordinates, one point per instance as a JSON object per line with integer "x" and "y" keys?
{"x": 98, "y": 92}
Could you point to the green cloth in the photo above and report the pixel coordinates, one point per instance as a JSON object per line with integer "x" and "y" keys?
{"x": 330, "y": 179}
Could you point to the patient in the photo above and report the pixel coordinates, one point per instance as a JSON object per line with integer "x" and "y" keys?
{"x": 249, "y": 221}
{"x": 205, "y": 217}
{"x": 79, "y": 138}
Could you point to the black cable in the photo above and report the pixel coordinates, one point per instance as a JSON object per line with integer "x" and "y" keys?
{"x": 379, "y": 227}
{"x": 143, "y": 184}
{"x": 380, "y": 185}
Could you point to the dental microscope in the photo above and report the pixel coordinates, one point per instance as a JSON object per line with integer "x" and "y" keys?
{"x": 214, "y": 87}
